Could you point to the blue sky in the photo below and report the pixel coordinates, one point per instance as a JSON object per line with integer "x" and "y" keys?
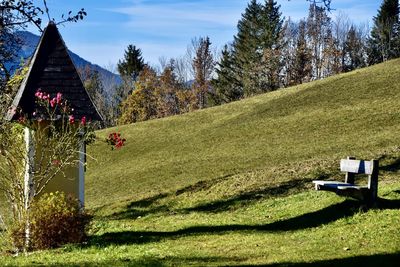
{"x": 166, "y": 27}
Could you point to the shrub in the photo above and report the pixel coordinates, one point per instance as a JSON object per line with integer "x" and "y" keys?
{"x": 56, "y": 219}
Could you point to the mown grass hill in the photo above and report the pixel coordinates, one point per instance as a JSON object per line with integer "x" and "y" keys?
{"x": 231, "y": 185}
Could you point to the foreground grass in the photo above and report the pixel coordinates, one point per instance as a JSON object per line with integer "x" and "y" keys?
{"x": 231, "y": 185}
{"x": 308, "y": 228}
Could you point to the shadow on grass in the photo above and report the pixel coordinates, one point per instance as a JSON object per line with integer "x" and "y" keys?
{"x": 392, "y": 167}
{"x": 382, "y": 260}
{"x": 115, "y": 263}
{"x": 283, "y": 189}
{"x": 150, "y": 261}
{"x": 150, "y": 206}
{"x": 142, "y": 207}
{"x": 308, "y": 220}
{"x": 202, "y": 185}
{"x": 389, "y": 204}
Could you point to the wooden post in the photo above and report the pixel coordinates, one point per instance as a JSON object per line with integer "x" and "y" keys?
{"x": 373, "y": 182}
{"x": 349, "y": 177}
{"x": 28, "y": 180}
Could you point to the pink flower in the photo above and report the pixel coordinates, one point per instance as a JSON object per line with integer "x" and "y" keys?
{"x": 58, "y": 98}
{"x": 71, "y": 119}
{"x": 34, "y": 113}
{"x": 39, "y": 94}
{"x": 53, "y": 102}
{"x": 83, "y": 121}
{"x": 56, "y": 162}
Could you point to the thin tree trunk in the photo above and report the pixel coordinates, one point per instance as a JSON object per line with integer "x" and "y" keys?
{"x": 28, "y": 182}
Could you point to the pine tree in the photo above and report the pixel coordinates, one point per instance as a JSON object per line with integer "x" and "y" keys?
{"x": 132, "y": 64}
{"x": 256, "y": 47}
{"x": 271, "y": 43}
{"x": 226, "y": 85}
{"x": 246, "y": 47}
{"x": 383, "y": 43}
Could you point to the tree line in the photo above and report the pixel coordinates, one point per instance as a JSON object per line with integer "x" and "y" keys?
{"x": 267, "y": 53}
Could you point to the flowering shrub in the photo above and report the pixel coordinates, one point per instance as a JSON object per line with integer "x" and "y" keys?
{"x": 115, "y": 140}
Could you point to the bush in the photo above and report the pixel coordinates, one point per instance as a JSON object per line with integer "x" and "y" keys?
{"x": 55, "y": 220}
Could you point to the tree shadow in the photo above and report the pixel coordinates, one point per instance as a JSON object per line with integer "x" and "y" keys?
{"x": 282, "y": 189}
{"x": 149, "y": 261}
{"x": 382, "y": 260}
{"x": 141, "y": 207}
{"x": 149, "y": 205}
{"x": 202, "y": 185}
{"x": 393, "y": 165}
{"x": 304, "y": 221}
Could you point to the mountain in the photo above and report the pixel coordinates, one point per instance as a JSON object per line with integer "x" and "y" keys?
{"x": 29, "y": 42}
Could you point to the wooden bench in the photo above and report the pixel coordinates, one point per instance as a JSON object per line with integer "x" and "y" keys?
{"x": 350, "y": 166}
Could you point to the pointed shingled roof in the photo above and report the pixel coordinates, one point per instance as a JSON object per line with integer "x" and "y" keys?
{"x": 51, "y": 69}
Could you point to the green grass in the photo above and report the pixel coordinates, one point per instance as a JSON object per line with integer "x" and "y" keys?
{"x": 231, "y": 185}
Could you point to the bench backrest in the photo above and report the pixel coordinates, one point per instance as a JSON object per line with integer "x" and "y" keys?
{"x": 351, "y": 167}
{"x": 356, "y": 166}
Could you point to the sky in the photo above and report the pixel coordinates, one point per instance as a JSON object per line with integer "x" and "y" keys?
{"x": 164, "y": 28}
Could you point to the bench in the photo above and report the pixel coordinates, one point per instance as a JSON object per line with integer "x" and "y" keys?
{"x": 350, "y": 166}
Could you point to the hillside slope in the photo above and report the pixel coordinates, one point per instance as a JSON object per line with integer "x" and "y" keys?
{"x": 231, "y": 185}
{"x": 299, "y": 133}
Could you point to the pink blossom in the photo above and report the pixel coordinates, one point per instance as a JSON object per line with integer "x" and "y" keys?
{"x": 58, "y": 98}
{"x": 39, "y": 94}
{"x": 71, "y": 119}
{"x": 34, "y": 113}
{"x": 83, "y": 121}
{"x": 53, "y": 102}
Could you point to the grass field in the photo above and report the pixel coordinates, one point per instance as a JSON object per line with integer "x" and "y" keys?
{"x": 231, "y": 185}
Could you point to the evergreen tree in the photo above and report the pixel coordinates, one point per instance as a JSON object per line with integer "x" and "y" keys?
{"x": 256, "y": 47}
{"x": 132, "y": 64}
{"x": 129, "y": 68}
{"x": 271, "y": 43}
{"x": 226, "y": 85}
{"x": 246, "y": 47}
{"x": 383, "y": 43}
